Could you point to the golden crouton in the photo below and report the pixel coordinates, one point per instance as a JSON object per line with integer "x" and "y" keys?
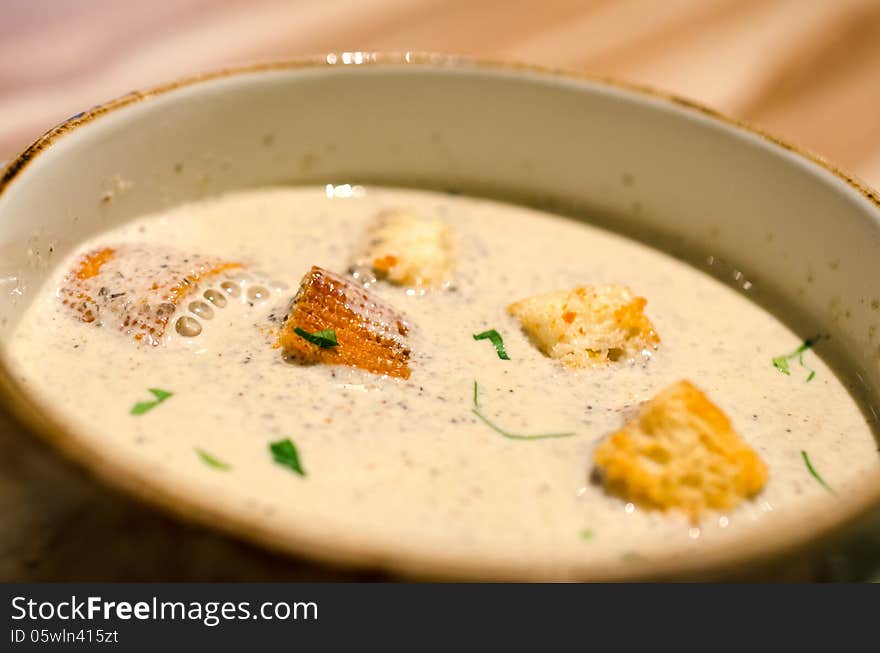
{"x": 135, "y": 289}
{"x": 368, "y": 333}
{"x": 680, "y": 452}
{"x": 588, "y": 325}
{"x": 407, "y": 250}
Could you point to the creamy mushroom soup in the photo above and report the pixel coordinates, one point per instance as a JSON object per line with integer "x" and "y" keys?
{"x": 214, "y": 410}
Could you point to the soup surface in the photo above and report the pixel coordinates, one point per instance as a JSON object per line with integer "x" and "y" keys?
{"x": 403, "y": 468}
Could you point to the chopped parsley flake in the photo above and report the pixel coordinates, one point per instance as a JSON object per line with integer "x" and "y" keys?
{"x": 814, "y": 473}
{"x": 495, "y": 338}
{"x": 325, "y": 338}
{"x": 284, "y": 452}
{"x": 145, "y": 406}
{"x": 781, "y": 362}
{"x": 513, "y": 436}
{"x": 587, "y": 534}
{"x": 211, "y": 461}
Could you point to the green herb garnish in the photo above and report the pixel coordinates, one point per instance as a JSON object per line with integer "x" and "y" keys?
{"x": 814, "y": 473}
{"x": 284, "y": 452}
{"x": 325, "y": 338}
{"x": 496, "y": 340}
{"x": 211, "y": 461}
{"x": 781, "y": 362}
{"x": 145, "y": 406}
{"x": 513, "y": 436}
{"x": 587, "y": 534}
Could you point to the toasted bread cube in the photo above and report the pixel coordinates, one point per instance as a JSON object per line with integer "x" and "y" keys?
{"x": 135, "y": 289}
{"x": 407, "y": 250}
{"x": 588, "y": 325}
{"x": 680, "y": 452}
{"x": 370, "y": 334}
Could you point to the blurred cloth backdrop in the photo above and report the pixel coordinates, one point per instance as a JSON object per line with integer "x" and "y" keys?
{"x": 806, "y": 70}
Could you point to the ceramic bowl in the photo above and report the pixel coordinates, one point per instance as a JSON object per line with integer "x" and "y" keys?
{"x": 662, "y": 168}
